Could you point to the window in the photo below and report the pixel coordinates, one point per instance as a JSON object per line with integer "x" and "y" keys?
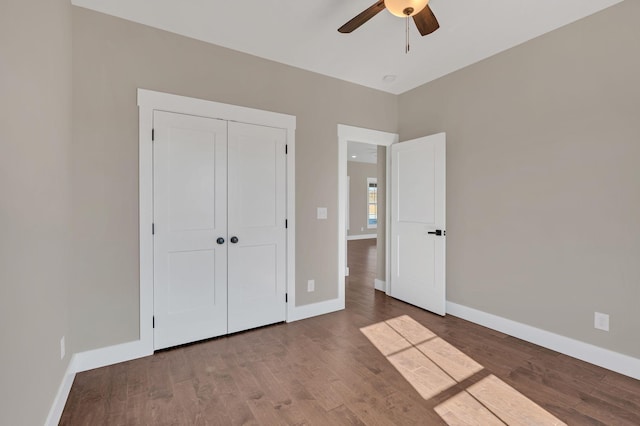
{"x": 372, "y": 203}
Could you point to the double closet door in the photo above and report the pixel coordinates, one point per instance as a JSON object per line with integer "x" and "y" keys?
{"x": 219, "y": 227}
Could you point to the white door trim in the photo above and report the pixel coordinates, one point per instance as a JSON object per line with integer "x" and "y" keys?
{"x": 148, "y": 101}
{"x": 375, "y": 137}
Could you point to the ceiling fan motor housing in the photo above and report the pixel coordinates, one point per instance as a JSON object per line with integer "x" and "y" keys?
{"x": 422, "y": 14}
{"x": 404, "y": 8}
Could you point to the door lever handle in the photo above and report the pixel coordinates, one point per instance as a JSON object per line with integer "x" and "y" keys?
{"x": 437, "y": 232}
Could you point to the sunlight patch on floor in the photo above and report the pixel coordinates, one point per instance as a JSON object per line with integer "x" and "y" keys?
{"x": 463, "y": 409}
{"x": 424, "y": 375}
{"x": 511, "y": 406}
{"x": 385, "y": 338}
{"x": 432, "y": 365}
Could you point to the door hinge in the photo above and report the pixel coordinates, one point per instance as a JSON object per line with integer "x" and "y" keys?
{"x": 286, "y": 149}
{"x": 153, "y": 229}
{"x": 286, "y": 298}
{"x": 153, "y": 321}
{"x": 153, "y": 134}
{"x": 286, "y": 223}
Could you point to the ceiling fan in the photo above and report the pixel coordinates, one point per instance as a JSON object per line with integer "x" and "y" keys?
{"x": 422, "y": 15}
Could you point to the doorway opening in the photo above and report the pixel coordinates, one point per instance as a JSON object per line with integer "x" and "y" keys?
{"x": 366, "y": 207}
{"x": 366, "y": 219}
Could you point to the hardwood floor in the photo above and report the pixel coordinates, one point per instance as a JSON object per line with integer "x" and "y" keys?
{"x": 326, "y": 371}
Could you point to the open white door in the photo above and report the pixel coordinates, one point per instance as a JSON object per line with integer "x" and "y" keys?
{"x": 418, "y": 222}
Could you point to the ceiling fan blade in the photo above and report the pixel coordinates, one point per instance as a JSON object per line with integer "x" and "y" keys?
{"x": 426, "y": 21}
{"x": 363, "y": 17}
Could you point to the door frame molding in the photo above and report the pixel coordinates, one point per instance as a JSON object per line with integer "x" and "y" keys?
{"x": 374, "y": 137}
{"x": 148, "y": 101}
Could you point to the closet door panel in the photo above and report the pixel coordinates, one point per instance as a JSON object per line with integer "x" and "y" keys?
{"x": 190, "y": 214}
{"x": 257, "y": 213}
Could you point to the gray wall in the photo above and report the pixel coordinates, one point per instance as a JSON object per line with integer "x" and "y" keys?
{"x": 358, "y": 173}
{"x": 543, "y": 175}
{"x": 35, "y": 135}
{"x": 111, "y": 59}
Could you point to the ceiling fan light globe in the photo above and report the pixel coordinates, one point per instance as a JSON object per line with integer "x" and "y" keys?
{"x": 397, "y": 7}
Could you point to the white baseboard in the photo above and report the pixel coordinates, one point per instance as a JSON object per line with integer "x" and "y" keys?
{"x": 112, "y": 355}
{"x": 88, "y": 360}
{"x": 614, "y": 361}
{"x": 380, "y": 285}
{"x": 55, "y": 412}
{"x": 315, "y": 309}
{"x": 361, "y": 237}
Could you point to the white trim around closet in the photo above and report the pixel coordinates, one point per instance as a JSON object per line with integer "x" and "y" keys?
{"x": 149, "y": 101}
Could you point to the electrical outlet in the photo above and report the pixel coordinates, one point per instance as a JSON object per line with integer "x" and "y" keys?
{"x": 62, "y": 348}
{"x": 311, "y": 285}
{"x": 322, "y": 213}
{"x": 601, "y": 321}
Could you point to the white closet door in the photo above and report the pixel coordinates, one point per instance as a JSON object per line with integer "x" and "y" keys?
{"x": 257, "y": 213}
{"x": 190, "y": 214}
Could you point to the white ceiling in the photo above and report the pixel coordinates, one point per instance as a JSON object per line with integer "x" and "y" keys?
{"x": 304, "y": 33}
{"x": 362, "y": 152}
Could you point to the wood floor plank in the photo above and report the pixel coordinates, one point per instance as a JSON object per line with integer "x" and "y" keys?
{"x": 179, "y": 367}
{"x": 546, "y": 387}
{"x": 463, "y": 409}
{"x": 289, "y": 381}
{"x": 509, "y": 405}
{"x": 449, "y": 358}
{"x": 411, "y": 329}
{"x": 160, "y": 385}
{"x": 344, "y": 416}
{"x": 364, "y": 405}
{"x": 137, "y": 376}
{"x": 189, "y": 404}
{"x": 425, "y": 376}
{"x": 410, "y": 409}
{"x": 227, "y": 409}
{"x": 138, "y": 410}
{"x": 607, "y": 413}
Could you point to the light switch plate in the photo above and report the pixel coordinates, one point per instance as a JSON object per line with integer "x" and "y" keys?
{"x": 601, "y": 321}
{"x": 322, "y": 212}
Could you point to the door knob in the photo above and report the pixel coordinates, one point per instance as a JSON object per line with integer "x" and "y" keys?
{"x": 234, "y": 240}
{"x": 220, "y": 240}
